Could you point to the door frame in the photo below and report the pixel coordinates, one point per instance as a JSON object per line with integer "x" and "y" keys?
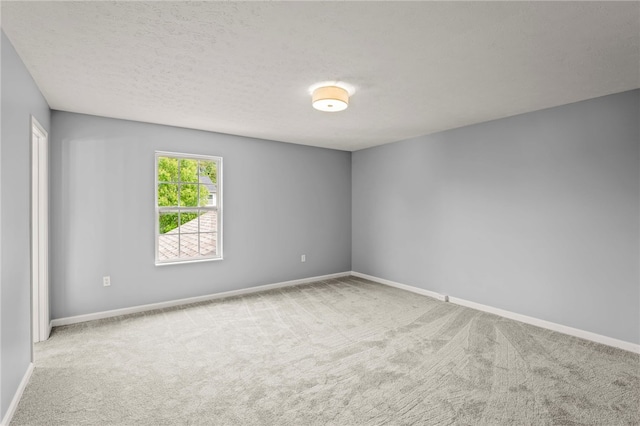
{"x": 40, "y": 325}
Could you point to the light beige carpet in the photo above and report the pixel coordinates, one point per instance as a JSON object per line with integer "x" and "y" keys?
{"x": 338, "y": 352}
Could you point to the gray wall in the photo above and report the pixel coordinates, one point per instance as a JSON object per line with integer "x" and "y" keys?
{"x": 280, "y": 201}
{"x": 536, "y": 214}
{"x": 20, "y": 99}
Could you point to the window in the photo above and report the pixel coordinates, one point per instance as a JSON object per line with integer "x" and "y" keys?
{"x": 188, "y": 207}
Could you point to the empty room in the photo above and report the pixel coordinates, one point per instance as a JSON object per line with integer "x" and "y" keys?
{"x": 319, "y": 213}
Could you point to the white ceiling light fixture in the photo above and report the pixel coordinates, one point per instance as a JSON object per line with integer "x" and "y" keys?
{"x": 330, "y": 99}
{"x": 331, "y": 96}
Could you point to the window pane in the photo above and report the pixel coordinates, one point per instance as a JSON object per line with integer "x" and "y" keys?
{"x": 208, "y": 172}
{"x": 188, "y": 195}
{"x": 208, "y": 221}
{"x": 188, "y": 222}
{"x": 168, "y": 247}
{"x": 206, "y": 195}
{"x": 168, "y": 222}
{"x": 167, "y": 194}
{"x": 207, "y": 244}
{"x": 189, "y": 171}
{"x": 188, "y": 245}
{"x": 167, "y": 169}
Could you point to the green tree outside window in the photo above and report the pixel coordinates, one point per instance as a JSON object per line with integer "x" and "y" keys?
{"x": 178, "y": 184}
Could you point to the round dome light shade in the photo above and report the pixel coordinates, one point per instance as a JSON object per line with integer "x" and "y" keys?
{"x": 330, "y": 99}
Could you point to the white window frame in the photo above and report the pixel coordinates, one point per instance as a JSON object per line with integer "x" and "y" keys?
{"x": 158, "y": 209}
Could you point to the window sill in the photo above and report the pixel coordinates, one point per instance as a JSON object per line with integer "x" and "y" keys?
{"x": 182, "y": 262}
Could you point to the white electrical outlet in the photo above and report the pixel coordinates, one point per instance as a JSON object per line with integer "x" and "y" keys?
{"x": 106, "y": 281}
{"x": 303, "y": 258}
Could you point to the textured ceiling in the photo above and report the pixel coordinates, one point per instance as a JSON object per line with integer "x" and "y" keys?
{"x": 245, "y": 68}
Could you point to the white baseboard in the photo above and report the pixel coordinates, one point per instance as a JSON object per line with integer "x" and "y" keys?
{"x": 587, "y": 335}
{"x": 16, "y": 398}
{"x": 441, "y": 297}
{"x": 153, "y": 306}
